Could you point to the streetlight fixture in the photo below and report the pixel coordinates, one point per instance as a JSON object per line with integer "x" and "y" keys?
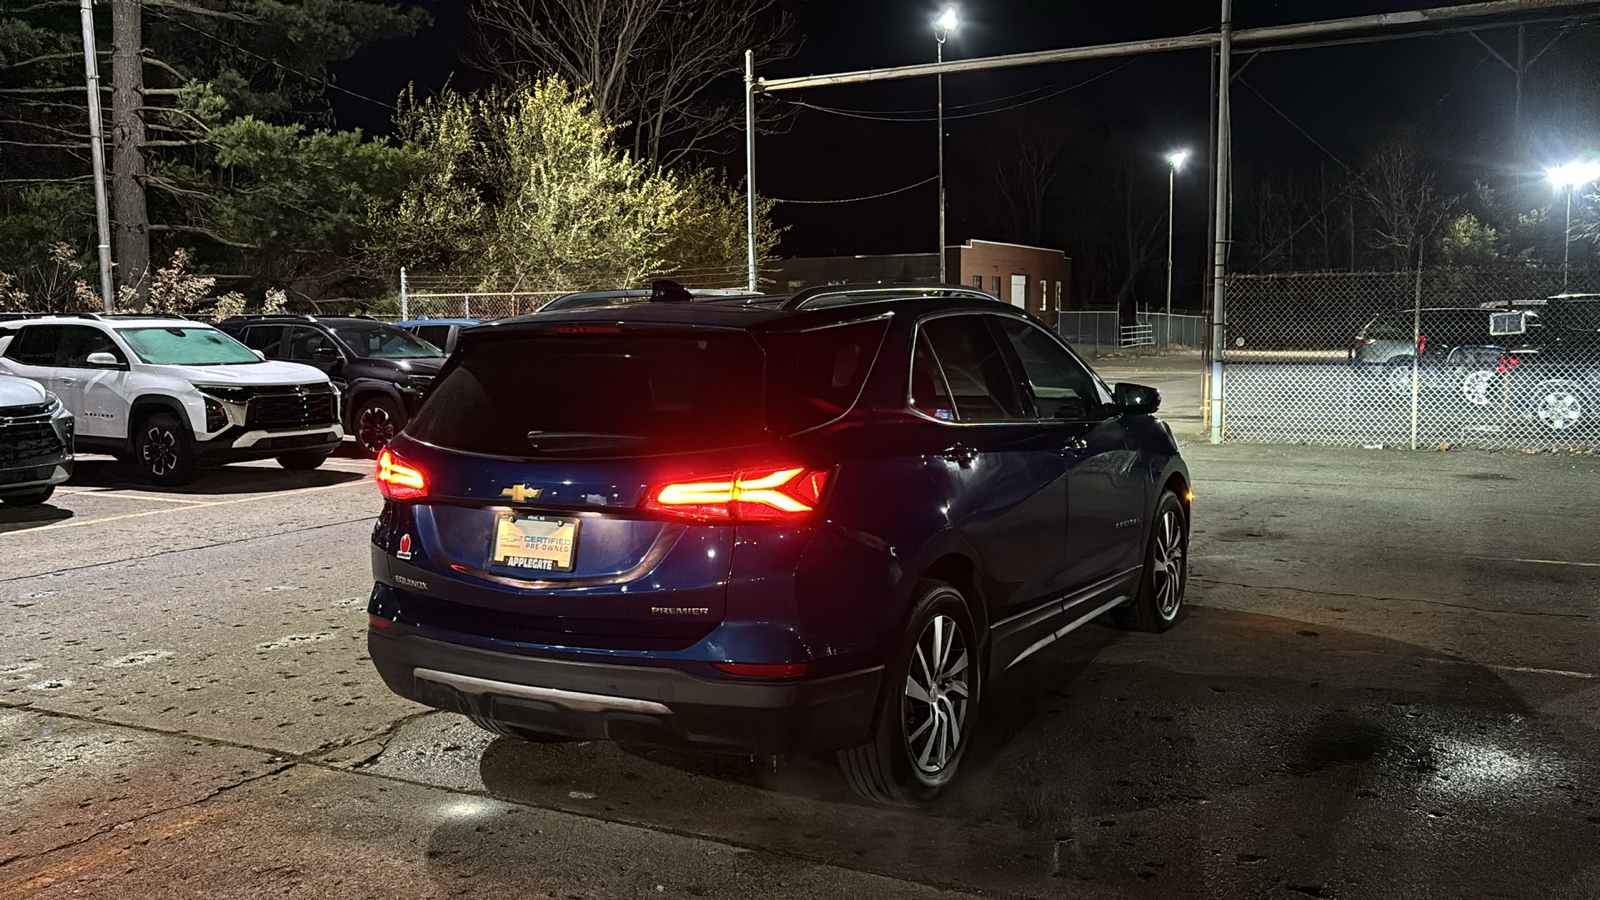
{"x": 1571, "y": 176}
{"x": 942, "y": 26}
{"x": 1175, "y": 161}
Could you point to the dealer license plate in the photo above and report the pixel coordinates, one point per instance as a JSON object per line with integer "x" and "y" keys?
{"x": 540, "y": 543}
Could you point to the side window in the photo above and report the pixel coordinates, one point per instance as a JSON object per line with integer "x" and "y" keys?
{"x": 265, "y": 338}
{"x": 35, "y": 346}
{"x": 437, "y": 335}
{"x": 311, "y": 345}
{"x": 979, "y": 380}
{"x": 1062, "y": 387}
{"x": 930, "y": 395}
{"x": 78, "y": 341}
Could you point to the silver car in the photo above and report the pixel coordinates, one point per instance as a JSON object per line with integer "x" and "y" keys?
{"x": 35, "y": 442}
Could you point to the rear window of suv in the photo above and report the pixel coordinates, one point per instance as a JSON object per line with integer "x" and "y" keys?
{"x": 646, "y": 391}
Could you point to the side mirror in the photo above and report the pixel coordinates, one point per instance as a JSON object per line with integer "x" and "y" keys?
{"x": 102, "y": 360}
{"x": 1136, "y": 399}
{"x": 260, "y": 355}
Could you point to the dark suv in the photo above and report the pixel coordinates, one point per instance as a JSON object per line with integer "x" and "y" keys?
{"x": 770, "y": 525}
{"x": 382, "y": 371}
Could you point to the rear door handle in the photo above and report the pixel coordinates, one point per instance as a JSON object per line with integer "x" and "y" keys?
{"x": 67, "y": 380}
{"x": 1076, "y": 445}
{"x": 960, "y": 454}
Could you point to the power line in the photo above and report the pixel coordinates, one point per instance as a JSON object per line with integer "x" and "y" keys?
{"x": 899, "y": 190}
{"x": 889, "y": 118}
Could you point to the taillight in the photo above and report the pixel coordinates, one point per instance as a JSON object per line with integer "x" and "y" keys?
{"x": 747, "y": 495}
{"x": 763, "y": 670}
{"x": 1422, "y": 344}
{"x": 398, "y": 481}
{"x": 1507, "y": 363}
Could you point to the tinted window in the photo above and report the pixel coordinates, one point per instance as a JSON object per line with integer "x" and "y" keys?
{"x": 187, "y": 347}
{"x": 1387, "y": 328}
{"x": 35, "y": 346}
{"x": 375, "y": 340}
{"x": 311, "y": 345}
{"x": 598, "y": 394}
{"x": 929, "y": 393}
{"x": 1062, "y": 387}
{"x": 437, "y": 335}
{"x": 976, "y": 372}
{"x": 815, "y": 376}
{"x": 265, "y": 338}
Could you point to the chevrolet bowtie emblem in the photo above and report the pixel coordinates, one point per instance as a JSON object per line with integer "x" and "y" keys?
{"x": 521, "y": 493}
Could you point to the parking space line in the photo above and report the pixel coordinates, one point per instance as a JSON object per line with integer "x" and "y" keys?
{"x": 157, "y": 512}
{"x": 1545, "y": 562}
{"x": 124, "y": 496}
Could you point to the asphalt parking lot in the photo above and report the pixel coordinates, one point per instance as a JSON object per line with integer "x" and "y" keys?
{"x": 1388, "y": 685}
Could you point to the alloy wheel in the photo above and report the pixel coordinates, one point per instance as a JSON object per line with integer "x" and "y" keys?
{"x": 375, "y": 429}
{"x": 160, "y": 451}
{"x": 937, "y": 693}
{"x": 1559, "y": 409}
{"x": 1167, "y": 565}
{"x": 1475, "y": 387}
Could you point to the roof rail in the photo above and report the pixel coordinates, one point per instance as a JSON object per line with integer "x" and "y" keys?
{"x": 880, "y": 292}
{"x": 299, "y": 317}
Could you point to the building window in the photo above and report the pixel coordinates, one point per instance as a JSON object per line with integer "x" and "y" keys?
{"x": 996, "y": 289}
{"x": 977, "y": 282}
{"x": 1044, "y": 294}
{"x": 1058, "y": 295}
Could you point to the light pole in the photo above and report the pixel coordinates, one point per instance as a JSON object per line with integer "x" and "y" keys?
{"x": 1175, "y": 161}
{"x": 942, "y": 27}
{"x": 1571, "y": 177}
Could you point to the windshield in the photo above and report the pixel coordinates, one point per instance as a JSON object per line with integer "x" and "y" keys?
{"x": 375, "y": 340}
{"x": 187, "y": 346}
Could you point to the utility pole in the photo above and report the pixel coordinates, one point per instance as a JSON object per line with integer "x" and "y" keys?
{"x": 1219, "y": 249}
{"x": 132, "y": 221}
{"x": 750, "y": 161}
{"x": 97, "y": 152}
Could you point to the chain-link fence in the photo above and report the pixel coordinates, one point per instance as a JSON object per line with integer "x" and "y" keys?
{"x": 1098, "y": 331}
{"x": 1493, "y": 358}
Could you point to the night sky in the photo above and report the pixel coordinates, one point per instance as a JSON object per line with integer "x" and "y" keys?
{"x": 1349, "y": 99}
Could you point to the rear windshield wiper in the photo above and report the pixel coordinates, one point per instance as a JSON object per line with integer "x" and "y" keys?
{"x": 575, "y": 441}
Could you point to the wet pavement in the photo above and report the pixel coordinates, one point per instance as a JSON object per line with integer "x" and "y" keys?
{"x": 1388, "y": 685}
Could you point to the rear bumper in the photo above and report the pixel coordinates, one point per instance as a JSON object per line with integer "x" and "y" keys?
{"x": 647, "y": 704}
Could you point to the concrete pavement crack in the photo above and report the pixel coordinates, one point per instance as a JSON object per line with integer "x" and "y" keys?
{"x": 289, "y": 761}
{"x": 113, "y": 562}
{"x": 101, "y": 832}
{"x": 1444, "y": 603}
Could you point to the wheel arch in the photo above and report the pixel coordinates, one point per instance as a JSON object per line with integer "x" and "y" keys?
{"x": 360, "y": 391}
{"x": 149, "y": 404}
{"x": 960, "y": 572}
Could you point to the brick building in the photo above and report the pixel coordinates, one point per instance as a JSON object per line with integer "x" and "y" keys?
{"x": 1034, "y": 278}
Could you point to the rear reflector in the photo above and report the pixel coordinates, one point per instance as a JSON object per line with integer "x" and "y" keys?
{"x": 761, "y": 670}
{"x": 398, "y": 481}
{"x": 772, "y": 493}
{"x": 377, "y": 621}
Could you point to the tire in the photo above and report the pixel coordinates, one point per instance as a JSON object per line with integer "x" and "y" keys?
{"x": 901, "y": 764}
{"x": 1476, "y": 386}
{"x": 1159, "y": 603}
{"x": 28, "y": 498}
{"x": 303, "y": 460}
{"x": 514, "y": 731}
{"x": 1397, "y": 374}
{"x": 163, "y": 450}
{"x": 1560, "y": 406}
{"x": 375, "y": 422}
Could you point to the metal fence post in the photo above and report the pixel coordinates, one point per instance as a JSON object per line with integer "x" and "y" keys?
{"x": 1416, "y": 350}
{"x": 405, "y": 304}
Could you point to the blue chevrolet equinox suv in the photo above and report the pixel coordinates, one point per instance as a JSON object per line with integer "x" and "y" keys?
{"x": 816, "y": 523}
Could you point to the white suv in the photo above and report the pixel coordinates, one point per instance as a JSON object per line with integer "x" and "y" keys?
{"x": 172, "y": 394}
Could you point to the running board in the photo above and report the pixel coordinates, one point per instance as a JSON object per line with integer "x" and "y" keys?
{"x": 575, "y": 700}
{"x": 1070, "y": 627}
